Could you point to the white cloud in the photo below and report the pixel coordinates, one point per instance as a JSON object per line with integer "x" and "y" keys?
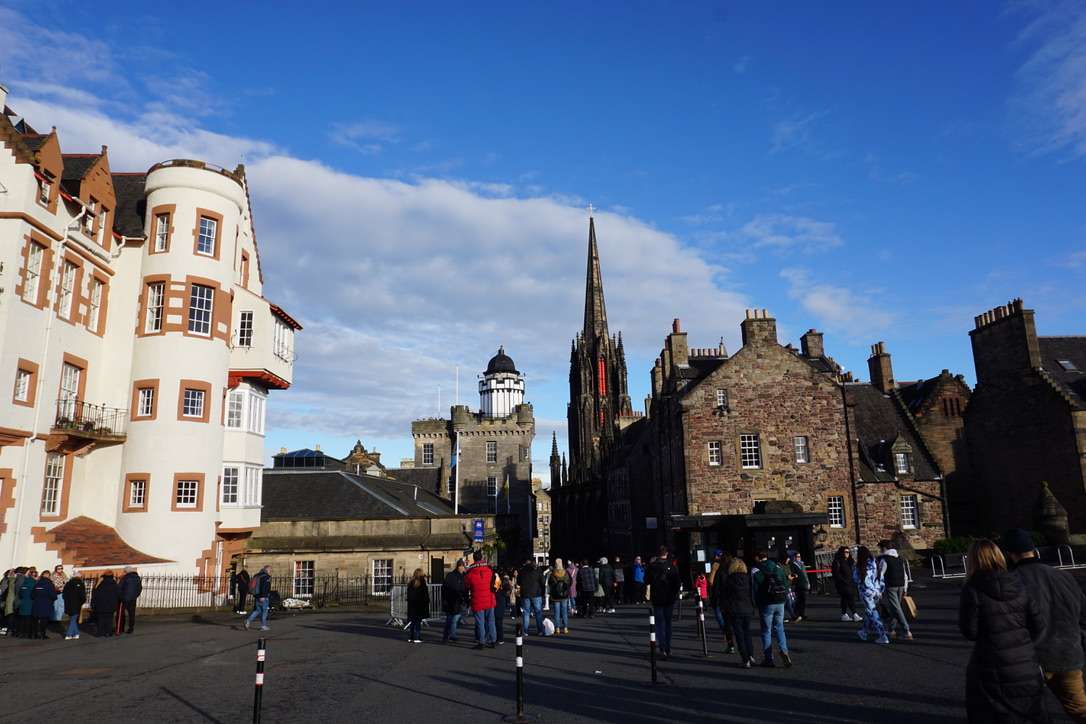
{"x": 784, "y": 232}
{"x": 1050, "y": 101}
{"x": 837, "y": 308}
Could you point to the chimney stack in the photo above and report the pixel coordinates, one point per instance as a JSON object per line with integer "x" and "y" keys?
{"x": 677, "y": 346}
{"x": 759, "y": 329}
{"x": 882, "y": 371}
{"x": 811, "y": 343}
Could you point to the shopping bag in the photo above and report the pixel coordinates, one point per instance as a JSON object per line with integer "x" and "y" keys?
{"x": 548, "y": 627}
{"x": 909, "y": 604}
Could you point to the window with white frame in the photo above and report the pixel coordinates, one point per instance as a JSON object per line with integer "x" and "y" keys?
{"x": 491, "y": 451}
{"x": 23, "y": 379}
{"x": 235, "y": 409}
{"x": 162, "y": 232}
{"x": 205, "y": 242}
{"x": 835, "y": 511}
{"x": 69, "y": 390}
{"x": 382, "y": 576}
{"x": 67, "y": 289}
{"x": 910, "y": 511}
{"x": 802, "y": 451}
{"x": 427, "y": 453}
{"x": 245, "y": 330}
{"x": 54, "y": 481}
{"x": 33, "y": 273}
{"x": 187, "y": 493}
{"x": 252, "y": 492}
{"x": 90, "y": 214}
{"x": 200, "y": 303}
{"x": 283, "y": 341}
{"x": 193, "y": 404}
{"x": 304, "y": 578}
{"x": 716, "y": 456}
{"x": 103, "y": 228}
{"x": 750, "y": 451}
{"x": 230, "y": 485}
{"x": 256, "y": 412}
{"x": 95, "y": 309}
{"x": 156, "y": 300}
{"x": 902, "y": 463}
{"x": 45, "y": 186}
{"x": 722, "y": 399}
{"x": 492, "y": 486}
{"x": 137, "y": 493}
{"x": 145, "y": 405}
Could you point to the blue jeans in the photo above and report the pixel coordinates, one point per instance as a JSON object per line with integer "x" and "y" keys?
{"x": 416, "y": 629}
{"x": 260, "y": 608}
{"x": 484, "y": 626}
{"x": 452, "y": 625}
{"x": 663, "y": 626}
{"x": 73, "y": 626}
{"x": 561, "y": 612}
{"x": 773, "y": 623}
{"x": 533, "y": 605}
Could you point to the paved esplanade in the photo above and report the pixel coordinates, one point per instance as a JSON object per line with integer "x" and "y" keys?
{"x": 350, "y": 667}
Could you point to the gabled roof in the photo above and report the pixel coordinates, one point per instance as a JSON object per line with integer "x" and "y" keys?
{"x": 1072, "y": 382}
{"x": 305, "y": 494}
{"x": 34, "y": 141}
{"x": 915, "y": 394}
{"x": 76, "y": 165}
{"x": 131, "y": 204}
{"x": 880, "y": 422}
{"x": 425, "y": 478}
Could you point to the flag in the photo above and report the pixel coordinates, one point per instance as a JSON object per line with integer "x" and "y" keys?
{"x": 506, "y": 490}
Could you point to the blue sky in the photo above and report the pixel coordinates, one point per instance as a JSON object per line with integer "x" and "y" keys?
{"x": 420, "y": 174}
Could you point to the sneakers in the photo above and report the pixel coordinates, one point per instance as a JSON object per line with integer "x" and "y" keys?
{"x": 565, "y": 631}
{"x": 416, "y": 641}
{"x": 882, "y": 640}
{"x": 69, "y": 638}
{"x": 862, "y": 634}
{"x": 786, "y": 659}
{"x": 846, "y": 617}
{"x": 857, "y": 617}
{"x": 731, "y": 650}
{"x": 797, "y": 619}
{"x": 265, "y": 628}
{"x": 748, "y": 663}
{"x": 246, "y": 624}
{"x": 908, "y": 635}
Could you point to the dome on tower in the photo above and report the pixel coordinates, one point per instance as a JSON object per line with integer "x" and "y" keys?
{"x": 501, "y": 362}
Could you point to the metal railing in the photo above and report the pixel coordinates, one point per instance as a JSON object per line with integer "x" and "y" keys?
{"x": 938, "y": 567}
{"x": 89, "y": 420}
{"x": 397, "y": 605}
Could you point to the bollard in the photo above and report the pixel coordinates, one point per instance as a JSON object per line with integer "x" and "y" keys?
{"x": 260, "y": 651}
{"x": 701, "y": 628}
{"x": 521, "y": 716}
{"x": 652, "y": 643}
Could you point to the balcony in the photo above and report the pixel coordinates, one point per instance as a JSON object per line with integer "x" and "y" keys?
{"x": 79, "y": 426}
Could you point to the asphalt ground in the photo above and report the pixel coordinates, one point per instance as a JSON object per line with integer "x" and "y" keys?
{"x": 351, "y": 667}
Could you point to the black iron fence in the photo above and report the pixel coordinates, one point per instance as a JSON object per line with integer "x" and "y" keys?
{"x": 89, "y": 419}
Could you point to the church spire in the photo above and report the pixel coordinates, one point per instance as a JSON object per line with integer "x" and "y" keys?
{"x": 595, "y": 311}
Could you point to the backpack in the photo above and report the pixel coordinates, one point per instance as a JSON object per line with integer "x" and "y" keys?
{"x": 773, "y": 589}
{"x": 561, "y": 587}
{"x": 254, "y": 584}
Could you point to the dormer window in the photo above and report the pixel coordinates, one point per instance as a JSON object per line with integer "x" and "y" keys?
{"x": 45, "y": 187}
{"x": 89, "y": 215}
{"x": 901, "y": 454}
{"x": 1068, "y": 365}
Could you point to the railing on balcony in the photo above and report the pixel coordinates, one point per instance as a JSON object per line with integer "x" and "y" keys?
{"x": 88, "y": 420}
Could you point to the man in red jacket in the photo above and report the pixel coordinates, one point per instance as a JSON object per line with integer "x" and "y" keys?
{"x": 479, "y": 582}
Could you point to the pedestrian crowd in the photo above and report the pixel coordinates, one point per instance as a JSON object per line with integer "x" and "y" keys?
{"x": 32, "y": 604}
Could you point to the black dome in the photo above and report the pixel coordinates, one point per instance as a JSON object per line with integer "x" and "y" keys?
{"x": 501, "y": 362}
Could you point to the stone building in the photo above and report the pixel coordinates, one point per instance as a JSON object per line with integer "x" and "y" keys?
{"x": 541, "y": 544}
{"x": 493, "y": 472}
{"x": 1026, "y": 422}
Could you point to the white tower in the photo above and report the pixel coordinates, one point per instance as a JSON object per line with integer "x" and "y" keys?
{"x": 501, "y": 389}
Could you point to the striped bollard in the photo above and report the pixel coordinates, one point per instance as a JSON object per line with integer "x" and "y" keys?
{"x": 701, "y": 628}
{"x": 652, "y": 643}
{"x": 520, "y": 716}
{"x": 260, "y": 652}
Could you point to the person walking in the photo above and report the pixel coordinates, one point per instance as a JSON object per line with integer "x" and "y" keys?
{"x": 605, "y": 586}
{"x": 769, "y": 581}
{"x": 453, "y": 598}
{"x": 558, "y": 586}
{"x": 531, "y": 596}
{"x": 618, "y": 595}
{"x": 869, "y": 586}
{"x": 637, "y": 578}
{"x": 1002, "y": 680}
{"x": 505, "y": 597}
{"x": 131, "y": 588}
{"x": 59, "y": 580}
{"x": 733, "y": 598}
{"x": 43, "y": 595}
{"x": 104, "y": 601}
{"x": 842, "y": 569}
{"x": 721, "y": 563}
{"x": 9, "y": 595}
{"x": 479, "y": 582}
{"x": 1062, "y": 608}
{"x": 896, "y": 585}
{"x": 663, "y": 586}
{"x": 418, "y": 605}
{"x": 243, "y": 580}
{"x": 74, "y": 595}
{"x": 801, "y": 584}
{"x": 586, "y": 589}
{"x": 571, "y": 571}
{"x": 26, "y": 604}
{"x": 260, "y": 587}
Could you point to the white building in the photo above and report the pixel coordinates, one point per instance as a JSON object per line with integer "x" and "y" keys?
{"x": 138, "y": 350}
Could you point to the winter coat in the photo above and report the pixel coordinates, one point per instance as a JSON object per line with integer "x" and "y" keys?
{"x": 530, "y": 580}
{"x": 1063, "y": 615}
{"x": 759, "y": 576}
{"x": 799, "y": 570}
{"x": 106, "y": 595}
{"x": 75, "y": 595}
{"x": 131, "y": 587}
{"x": 867, "y": 581}
{"x": 607, "y": 576}
{"x": 638, "y": 571}
{"x": 620, "y": 575}
{"x": 841, "y": 570}
{"x": 558, "y": 586}
{"x": 734, "y": 594}
{"x": 1003, "y": 681}
{"x": 243, "y": 579}
{"x": 571, "y": 571}
{"x": 25, "y": 590}
{"x": 453, "y": 593}
{"x": 418, "y": 600}
{"x": 664, "y": 583}
{"x": 42, "y": 596}
{"x": 11, "y": 596}
{"x": 262, "y": 589}
{"x": 586, "y": 581}
{"x": 479, "y": 582}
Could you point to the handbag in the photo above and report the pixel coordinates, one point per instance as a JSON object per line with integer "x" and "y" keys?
{"x": 909, "y": 604}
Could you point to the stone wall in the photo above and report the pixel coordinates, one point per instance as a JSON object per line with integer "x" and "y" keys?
{"x": 880, "y": 513}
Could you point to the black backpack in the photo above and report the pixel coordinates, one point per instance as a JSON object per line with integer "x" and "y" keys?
{"x": 561, "y": 587}
{"x": 773, "y": 589}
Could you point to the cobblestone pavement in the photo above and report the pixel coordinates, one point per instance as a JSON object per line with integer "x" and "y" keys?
{"x": 352, "y": 667}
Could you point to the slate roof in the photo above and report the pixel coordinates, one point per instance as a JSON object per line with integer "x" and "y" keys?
{"x": 437, "y": 541}
{"x": 307, "y": 494}
{"x": 76, "y": 165}
{"x": 915, "y": 394}
{"x": 34, "y": 141}
{"x": 131, "y": 204}
{"x": 879, "y": 422}
{"x": 87, "y": 543}
{"x": 425, "y": 478}
{"x": 1072, "y": 349}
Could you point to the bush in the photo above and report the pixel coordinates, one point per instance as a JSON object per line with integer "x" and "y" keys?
{"x": 955, "y": 544}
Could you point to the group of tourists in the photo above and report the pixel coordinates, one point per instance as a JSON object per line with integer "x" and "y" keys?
{"x": 31, "y": 603}
{"x": 880, "y": 583}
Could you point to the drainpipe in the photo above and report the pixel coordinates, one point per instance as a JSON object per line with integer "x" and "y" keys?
{"x": 21, "y": 496}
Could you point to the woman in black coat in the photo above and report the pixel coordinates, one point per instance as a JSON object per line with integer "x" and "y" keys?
{"x": 104, "y": 601}
{"x": 841, "y": 570}
{"x": 42, "y": 597}
{"x": 75, "y": 595}
{"x": 418, "y": 605}
{"x": 1003, "y": 681}
{"x": 733, "y": 597}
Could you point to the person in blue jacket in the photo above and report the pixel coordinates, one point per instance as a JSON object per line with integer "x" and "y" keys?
{"x": 25, "y": 608}
{"x": 43, "y": 598}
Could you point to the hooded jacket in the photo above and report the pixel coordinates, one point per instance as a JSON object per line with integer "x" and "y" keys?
{"x": 25, "y": 589}
{"x": 586, "y": 581}
{"x": 106, "y": 596}
{"x": 763, "y": 570}
{"x": 733, "y": 591}
{"x": 43, "y": 596}
{"x": 453, "y": 593}
{"x": 131, "y": 586}
{"x": 75, "y": 595}
{"x": 1003, "y": 680}
{"x": 479, "y": 582}
{"x": 607, "y": 575}
{"x": 1062, "y": 608}
{"x": 530, "y": 580}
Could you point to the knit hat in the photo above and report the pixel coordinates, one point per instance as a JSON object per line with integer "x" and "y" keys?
{"x": 1017, "y": 540}
{"x": 603, "y": 561}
